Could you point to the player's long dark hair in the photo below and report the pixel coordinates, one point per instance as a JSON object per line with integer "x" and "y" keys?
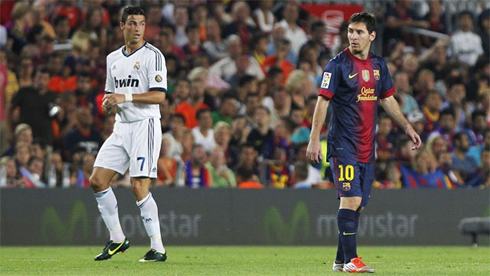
{"x": 365, "y": 17}
{"x": 132, "y": 10}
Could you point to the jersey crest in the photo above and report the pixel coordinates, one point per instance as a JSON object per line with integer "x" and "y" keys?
{"x": 365, "y": 75}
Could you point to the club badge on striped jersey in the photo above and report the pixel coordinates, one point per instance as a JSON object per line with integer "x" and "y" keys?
{"x": 137, "y": 65}
{"x": 376, "y": 74}
{"x": 326, "y": 80}
{"x": 365, "y": 75}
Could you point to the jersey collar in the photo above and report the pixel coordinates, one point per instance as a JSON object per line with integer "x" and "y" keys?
{"x": 123, "y": 49}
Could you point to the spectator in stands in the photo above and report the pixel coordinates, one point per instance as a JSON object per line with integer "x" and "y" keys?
{"x": 248, "y": 157}
{"x": 279, "y": 59}
{"x": 446, "y": 126}
{"x": 424, "y": 82}
{"x": 277, "y": 35}
{"x": 385, "y": 139}
{"x": 281, "y": 107}
{"x": 431, "y": 107}
{"x": 314, "y": 177}
{"x": 84, "y": 135}
{"x": 483, "y": 177}
{"x": 239, "y": 131}
{"x": 398, "y": 16}
{"x": 299, "y": 134}
{"x": 23, "y": 133}
{"x": 317, "y": 35}
{"x": 11, "y": 174}
{"x": 484, "y": 31}
{"x": 252, "y": 101}
{"x": 167, "y": 165}
{"x": 292, "y": 31}
{"x": 424, "y": 162}
{"x": 299, "y": 87}
{"x": 204, "y": 133}
{"x": 261, "y": 136}
{"x": 94, "y": 27}
{"x": 37, "y": 107}
{"x": 197, "y": 176}
{"x": 214, "y": 46}
{"x": 277, "y": 171}
{"x": 456, "y": 94}
{"x": 223, "y": 177}
{"x": 404, "y": 153}
{"x": 246, "y": 179}
{"x": 181, "y": 17}
{"x": 227, "y": 110}
{"x": 17, "y": 29}
{"x": 62, "y": 30}
{"x": 193, "y": 47}
{"x": 436, "y": 145}
{"x": 241, "y": 24}
{"x": 417, "y": 120}
{"x": 169, "y": 46}
{"x": 300, "y": 175}
{"x": 403, "y": 91}
{"x": 33, "y": 173}
{"x": 26, "y": 72}
{"x": 189, "y": 108}
{"x": 465, "y": 165}
{"x": 436, "y": 17}
{"x": 466, "y": 45}
{"x": 84, "y": 171}
{"x": 259, "y": 48}
{"x": 263, "y": 17}
{"x": 476, "y": 151}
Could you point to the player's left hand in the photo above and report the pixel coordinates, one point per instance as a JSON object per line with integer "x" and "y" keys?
{"x": 111, "y": 100}
{"x": 415, "y": 139}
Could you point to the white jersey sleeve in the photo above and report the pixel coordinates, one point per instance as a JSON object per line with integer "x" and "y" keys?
{"x": 157, "y": 70}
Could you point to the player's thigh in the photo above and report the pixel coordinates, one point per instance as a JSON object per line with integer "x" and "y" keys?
{"x": 145, "y": 149}
{"x": 367, "y": 179}
{"x": 347, "y": 176}
{"x": 113, "y": 155}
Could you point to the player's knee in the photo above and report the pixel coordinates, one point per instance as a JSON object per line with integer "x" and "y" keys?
{"x": 96, "y": 183}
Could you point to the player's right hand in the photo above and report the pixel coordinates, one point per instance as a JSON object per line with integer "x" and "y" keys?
{"x": 314, "y": 151}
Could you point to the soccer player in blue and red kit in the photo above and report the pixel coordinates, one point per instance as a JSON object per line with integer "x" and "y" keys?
{"x": 354, "y": 83}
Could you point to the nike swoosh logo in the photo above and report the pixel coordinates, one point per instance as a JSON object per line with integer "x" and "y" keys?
{"x": 348, "y": 234}
{"x": 351, "y": 76}
{"x": 112, "y": 252}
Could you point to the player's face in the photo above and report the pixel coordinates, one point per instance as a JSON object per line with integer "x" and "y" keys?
{"x": 134, "y": 29}
{"x": 359, "y": 38}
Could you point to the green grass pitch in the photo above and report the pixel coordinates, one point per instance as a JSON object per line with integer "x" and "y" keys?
{"x": 243, "y": 260}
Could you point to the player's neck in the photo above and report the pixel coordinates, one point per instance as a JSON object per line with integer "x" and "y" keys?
{"x": 129, "y": 48}
{"x": 362, "y": 55}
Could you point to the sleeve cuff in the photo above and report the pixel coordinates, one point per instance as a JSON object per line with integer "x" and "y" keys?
{"x": 388, "y": 93}
{"x": 325, "y": 93}
{"x": 161, "y": 89}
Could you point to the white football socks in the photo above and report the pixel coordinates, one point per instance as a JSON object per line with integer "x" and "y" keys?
{"x": 149, "y": 216}
{"x": 107, "y": 204}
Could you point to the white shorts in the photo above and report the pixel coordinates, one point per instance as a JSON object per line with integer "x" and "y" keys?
{"x": 135, "y": 145}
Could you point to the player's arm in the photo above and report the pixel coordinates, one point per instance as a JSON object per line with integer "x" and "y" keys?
{"x": 392, "y": 107}
{"x": 314, "y": 150}
{"x": 151, "y": 97}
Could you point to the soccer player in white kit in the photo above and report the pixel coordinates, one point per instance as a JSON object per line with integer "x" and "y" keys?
{"x": 135, "y": 86}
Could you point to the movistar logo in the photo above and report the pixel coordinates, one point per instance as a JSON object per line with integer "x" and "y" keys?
{"x": 55, "y": 231}
{"x": 129, "y": 82}
{"x": 278, "y": 230}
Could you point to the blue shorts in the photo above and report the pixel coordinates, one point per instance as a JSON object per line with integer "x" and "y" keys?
{"x": 352, "y": 178}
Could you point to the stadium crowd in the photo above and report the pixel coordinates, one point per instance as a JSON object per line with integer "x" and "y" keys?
{"x": 243, "y": 79}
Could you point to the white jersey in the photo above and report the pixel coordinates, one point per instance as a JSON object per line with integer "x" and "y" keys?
{"x": 141, "y": 71}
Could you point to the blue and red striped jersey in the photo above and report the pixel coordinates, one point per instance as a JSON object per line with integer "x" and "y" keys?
{"x": 354, "y": 87}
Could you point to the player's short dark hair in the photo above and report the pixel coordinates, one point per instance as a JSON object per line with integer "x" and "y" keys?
{"x": 365, "y": 17}
{"x": 132, "y": 10}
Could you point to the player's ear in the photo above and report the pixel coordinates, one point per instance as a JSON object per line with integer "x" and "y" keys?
{"x": 121, "y": 25}
{"x": 372, "y": 36}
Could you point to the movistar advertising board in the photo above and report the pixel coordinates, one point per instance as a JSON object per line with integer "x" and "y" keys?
{"x": 232, "y": 216}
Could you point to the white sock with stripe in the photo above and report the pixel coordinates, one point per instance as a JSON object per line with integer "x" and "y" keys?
{"x": 107, "y": 204}
{"x": 149, "y": 216}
